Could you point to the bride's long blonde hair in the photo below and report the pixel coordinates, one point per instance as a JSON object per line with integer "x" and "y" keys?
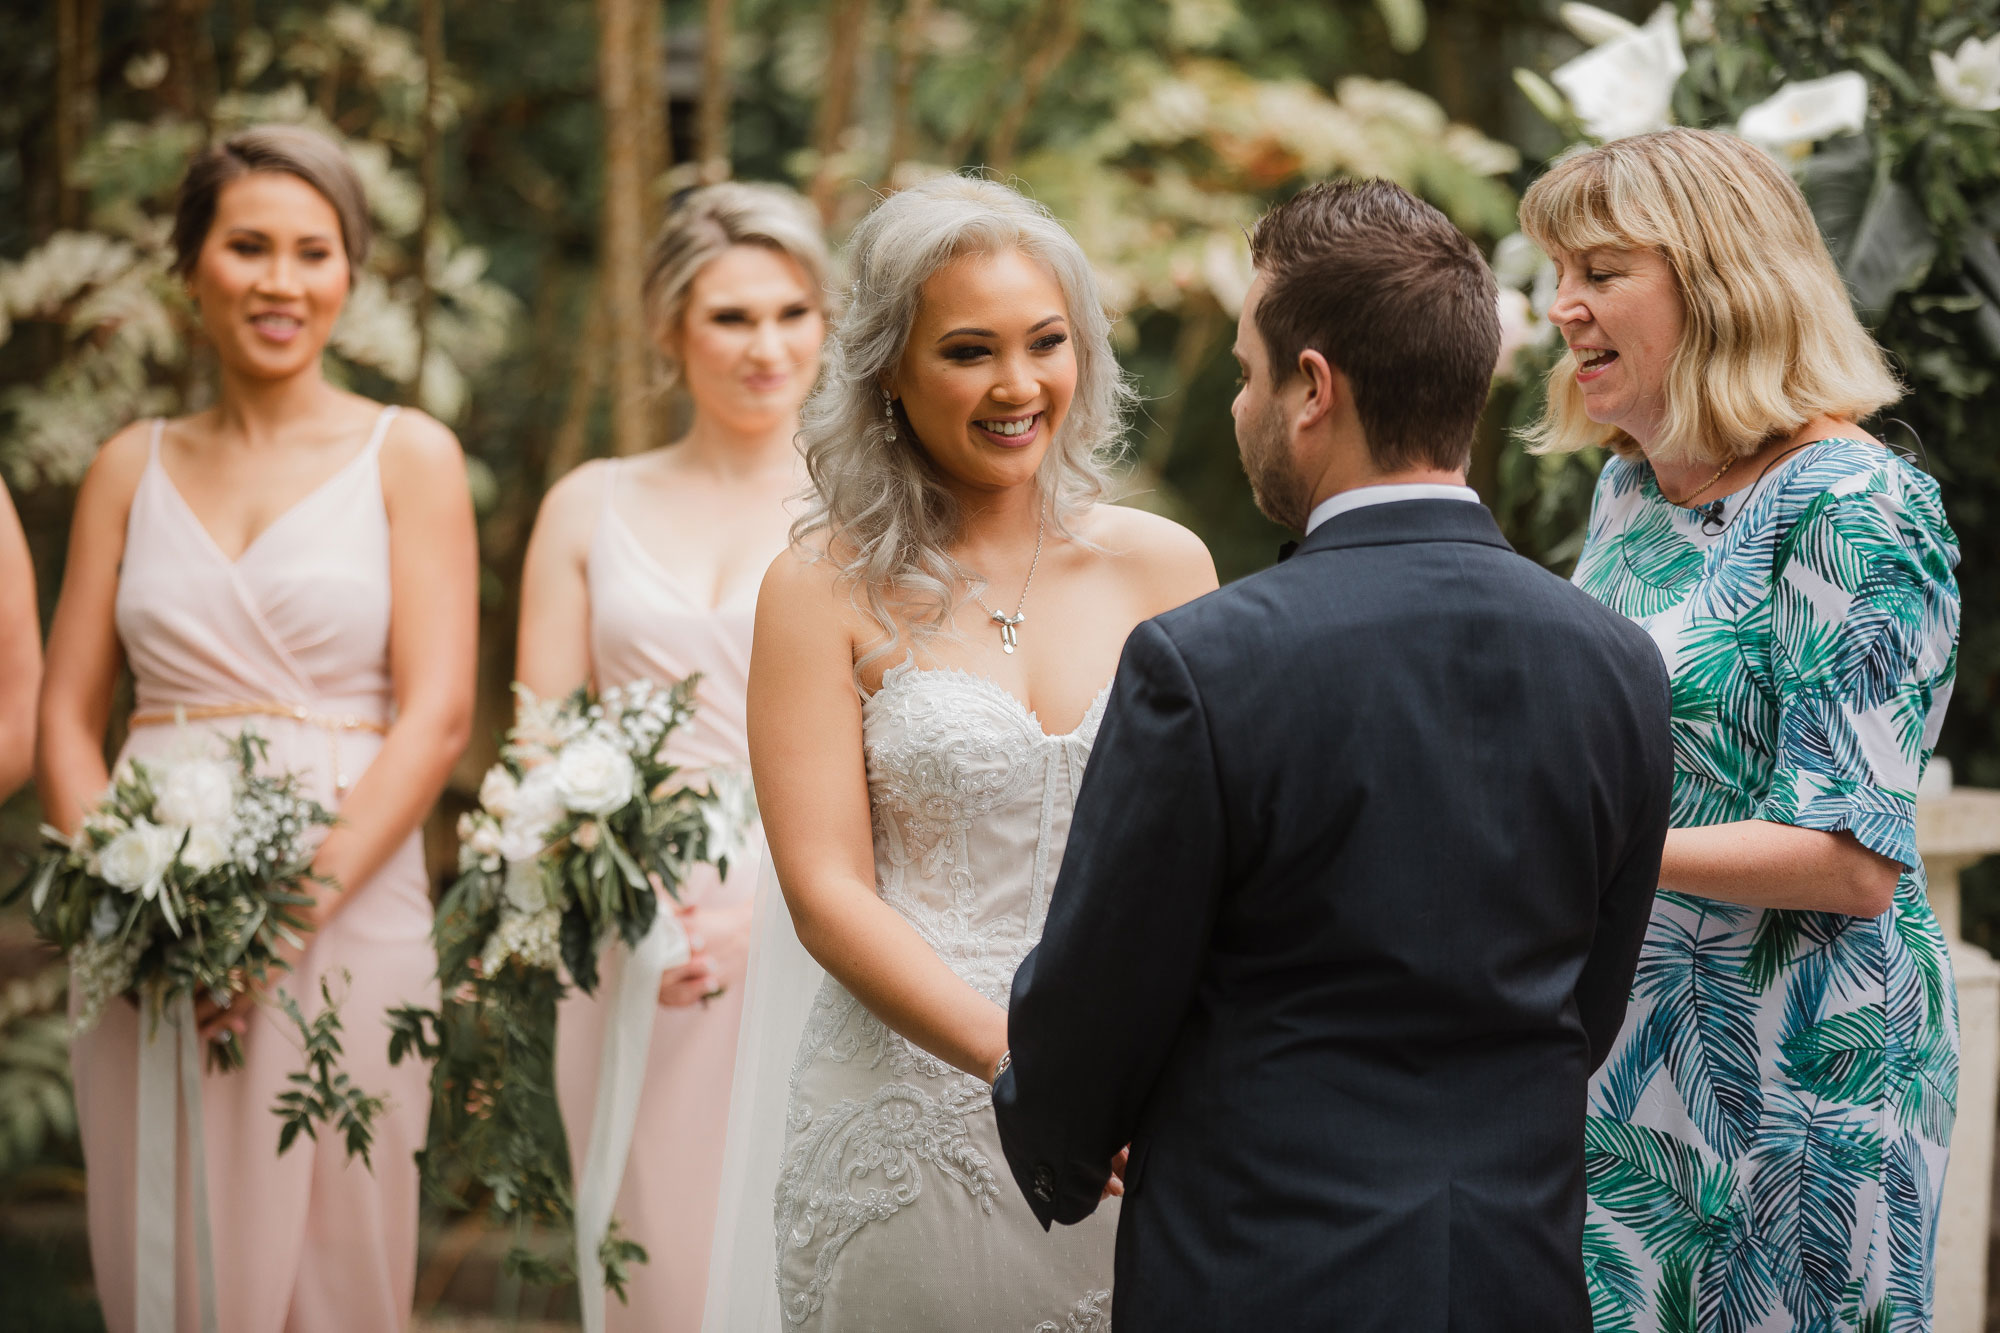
{"x": 878, "y": 508}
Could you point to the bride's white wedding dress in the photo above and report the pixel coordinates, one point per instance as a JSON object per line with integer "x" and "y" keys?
{"x": 895, "y": 1211}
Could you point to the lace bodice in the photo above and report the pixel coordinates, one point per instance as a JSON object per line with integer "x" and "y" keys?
{"x": 971, "y": 802}
{"x": 893, "y": 1210}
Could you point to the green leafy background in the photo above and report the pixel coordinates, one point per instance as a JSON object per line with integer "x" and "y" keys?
{"x": 1160, "y": 129}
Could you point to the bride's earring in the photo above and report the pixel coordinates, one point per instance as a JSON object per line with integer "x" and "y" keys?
{"x": 889, "y": 414}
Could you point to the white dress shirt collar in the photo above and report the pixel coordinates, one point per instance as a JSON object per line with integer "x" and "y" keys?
{"x": 1361, "y": 496}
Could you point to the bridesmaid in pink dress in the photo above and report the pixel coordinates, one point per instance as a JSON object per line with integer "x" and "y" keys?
{"x": 302, "y": 561}
{"x": 648, "y": 567}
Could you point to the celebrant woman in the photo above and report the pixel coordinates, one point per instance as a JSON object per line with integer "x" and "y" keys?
{"x": 1793, "y": 1034}
{"x": 647, "y": 568}
{"x": 301, "y": 561}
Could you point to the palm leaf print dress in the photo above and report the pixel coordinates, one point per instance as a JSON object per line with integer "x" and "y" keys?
{"x": 1766, "y": 1144}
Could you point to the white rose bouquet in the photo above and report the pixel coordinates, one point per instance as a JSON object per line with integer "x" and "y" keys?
{"x": 183, "y": 882}
{"x": 581, "y": 829}
{"x": 579, "y": 826}
{"x": 185, "y": 877}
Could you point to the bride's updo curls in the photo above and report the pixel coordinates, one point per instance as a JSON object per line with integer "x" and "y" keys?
{"x": 878, "y": 507}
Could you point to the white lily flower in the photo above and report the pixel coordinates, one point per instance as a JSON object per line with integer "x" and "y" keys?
{"x": 1625, "y": 84}
{"x": 1593, "y": 25}
{"x": 1790, "y": 121}
{"x": 1970, "y": 79}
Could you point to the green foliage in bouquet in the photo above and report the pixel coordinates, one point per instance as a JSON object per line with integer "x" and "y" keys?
{"x": 582, "y": 824}
{"x": 185, "y": 881}
{"x": 321, "y": 1093}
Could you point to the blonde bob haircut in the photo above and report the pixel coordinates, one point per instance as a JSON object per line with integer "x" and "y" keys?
{"x": 878, "y": 507}
{"x": 1770, "y": 340}
{"x": 704, "y": 224}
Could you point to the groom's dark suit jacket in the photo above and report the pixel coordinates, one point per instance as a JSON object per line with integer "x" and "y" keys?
{"x": 1354, "y": 891}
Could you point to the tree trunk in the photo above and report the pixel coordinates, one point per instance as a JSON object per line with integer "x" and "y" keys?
{"x": 572, "y": 435}
{"x": 650, "y": 107}
{"x": 76, "y": 99}
{"x": 909, "y": 49}
{"x": 191, "y": 60}
{"x": 623, "y": 236}
{"x": 67, "y": 95}
{"x": 433, "y": 44}
{"x": 242, "y": 18}
{"x": 846, "y": 22}
{"x": 1062, "y": 25}
{"x": 713, "y": 125}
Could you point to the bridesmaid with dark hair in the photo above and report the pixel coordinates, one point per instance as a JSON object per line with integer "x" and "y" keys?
{"x": 299, "y": 560}
{"x": 20, "y": 652}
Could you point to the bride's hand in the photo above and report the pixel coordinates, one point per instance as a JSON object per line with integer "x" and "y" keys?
{"x": 1114, "y": 1188}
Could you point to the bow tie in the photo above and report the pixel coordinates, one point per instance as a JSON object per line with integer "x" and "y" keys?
{"x": 1285, "y": 551}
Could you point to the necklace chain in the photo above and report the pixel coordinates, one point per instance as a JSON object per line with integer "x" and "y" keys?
{"x": 1010, "y": 626}
{"x": 1692, "y": 495}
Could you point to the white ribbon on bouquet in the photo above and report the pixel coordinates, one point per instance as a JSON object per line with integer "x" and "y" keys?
{"x": 631, "y": 983}
{"x": 169, "y": 1053}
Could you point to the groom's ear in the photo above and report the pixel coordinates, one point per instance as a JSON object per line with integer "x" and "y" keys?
{"x": 1323, "y": 387}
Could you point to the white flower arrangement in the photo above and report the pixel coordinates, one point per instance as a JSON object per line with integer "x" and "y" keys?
{"x": 1624, "y": 84}
{"x": 1970, "y": 78}
{"x": 185, "y": 877}
{"x": 582, "y": 828}
{"x": 579, "y": 821}
{"x": 1790, "y": 121}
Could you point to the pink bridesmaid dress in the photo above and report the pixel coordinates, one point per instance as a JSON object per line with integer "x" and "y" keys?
{"x": 645, "y": 623}
{"x": 307, "y": 1242}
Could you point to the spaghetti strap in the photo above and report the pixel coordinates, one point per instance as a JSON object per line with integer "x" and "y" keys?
{"x": 381, "y": 431}
{"x": 153, "y": 450}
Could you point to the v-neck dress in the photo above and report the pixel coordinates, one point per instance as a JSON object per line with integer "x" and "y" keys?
{"x": 646, "y": 623}
{"x": 306, "y": 1242}
{"x": 1766, "y": 1144}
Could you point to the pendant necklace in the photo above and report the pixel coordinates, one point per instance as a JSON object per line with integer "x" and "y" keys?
{"x": 1010, "y": 626}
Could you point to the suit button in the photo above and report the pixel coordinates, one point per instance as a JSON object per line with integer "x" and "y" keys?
{"x": 1045, "y": 1185}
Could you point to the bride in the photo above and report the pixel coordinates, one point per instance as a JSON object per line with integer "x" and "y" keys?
{"x": 930, "y": 670}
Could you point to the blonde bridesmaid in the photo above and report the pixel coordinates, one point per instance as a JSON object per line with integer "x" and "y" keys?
{"x": 302, "y": 561}
{"x": 20, "y": 652}
{"x": 648, "y": 567}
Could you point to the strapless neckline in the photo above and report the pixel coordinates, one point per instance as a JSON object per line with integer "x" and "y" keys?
{"x": 900, "y": 676}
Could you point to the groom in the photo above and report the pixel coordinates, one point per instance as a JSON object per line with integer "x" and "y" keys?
{"x": 1362, "y": 859}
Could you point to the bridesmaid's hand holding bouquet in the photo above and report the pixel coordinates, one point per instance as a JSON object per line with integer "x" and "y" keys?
{"x": 184, "y": 884}
{"x": 582, "y": 827}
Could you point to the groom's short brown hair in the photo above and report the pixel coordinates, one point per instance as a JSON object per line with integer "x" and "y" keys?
{"x": 1396, "y": 299}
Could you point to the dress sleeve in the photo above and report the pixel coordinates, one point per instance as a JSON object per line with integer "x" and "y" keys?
{"x": 1863, "y": 647}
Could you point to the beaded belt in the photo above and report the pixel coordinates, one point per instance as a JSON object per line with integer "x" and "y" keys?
{"x": 260, "y": 708}
{"x": 327, "y": 722}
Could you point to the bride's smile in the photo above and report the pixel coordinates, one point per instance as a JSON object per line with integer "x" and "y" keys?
{"x": 989, "y": 370}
